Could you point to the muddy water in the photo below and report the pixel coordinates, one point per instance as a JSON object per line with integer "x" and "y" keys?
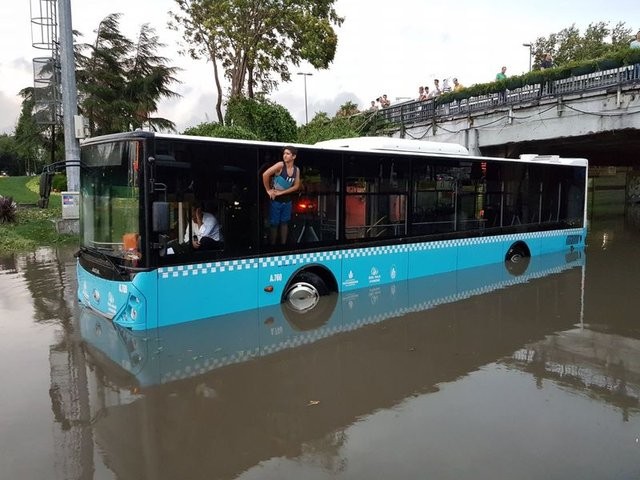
{"x": 479, "y": 374}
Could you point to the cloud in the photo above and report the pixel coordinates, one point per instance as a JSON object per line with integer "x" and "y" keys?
{"x": 190, "y": 110}
{"x": 9, "y": 112}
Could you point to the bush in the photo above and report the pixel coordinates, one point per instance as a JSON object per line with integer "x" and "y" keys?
{"x": 268, "y": 120}
{"x": 59, "y": 182}
{"x": 221, "y": 131}
{"x": 8, "y": 209}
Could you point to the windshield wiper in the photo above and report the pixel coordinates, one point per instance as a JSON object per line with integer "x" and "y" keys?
{"x": 117, "y": 268}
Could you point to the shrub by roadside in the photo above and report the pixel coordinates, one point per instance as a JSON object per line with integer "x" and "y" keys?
{"x": 34, "y": 227}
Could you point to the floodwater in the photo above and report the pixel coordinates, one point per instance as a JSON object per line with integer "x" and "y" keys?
{"x": 482, "y": 374}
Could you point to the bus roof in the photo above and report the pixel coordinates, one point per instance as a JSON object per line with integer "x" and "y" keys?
{"x": 365, "y": 144}
{"x": 403, "y": 145}
{"x": 394, "y": 145}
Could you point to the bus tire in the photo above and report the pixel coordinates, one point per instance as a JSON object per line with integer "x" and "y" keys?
{"x": 308, "y": 303}
{"x": 517, "y": 259}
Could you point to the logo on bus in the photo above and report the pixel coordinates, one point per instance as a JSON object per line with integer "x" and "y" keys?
{"x": 351, "y": 280}
{"x": 573, "y": 239}
{"x": 374, "y": 275}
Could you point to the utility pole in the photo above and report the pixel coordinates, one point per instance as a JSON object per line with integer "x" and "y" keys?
{"x": 306, "y": 111}
{"x": 69, "y": 96}
{"x": 530, "y": 47}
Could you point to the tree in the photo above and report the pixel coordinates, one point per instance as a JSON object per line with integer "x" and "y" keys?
{"x": 10, "y": 162}
{"x": 347, "y": 109}
{"x": 35, "y": 144}
{"x": 218, "y": 130}
{"x": 267, "y": 120}
{"x": 321, "y": 127}
{"x": 568, "y": 45}
{"x": 254, "y": 42}
{"x": 120, "y": 81}
{"x": 148, "y": 80}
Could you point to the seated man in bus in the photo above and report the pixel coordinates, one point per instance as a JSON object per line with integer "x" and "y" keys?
{"x": 205, "y": 228}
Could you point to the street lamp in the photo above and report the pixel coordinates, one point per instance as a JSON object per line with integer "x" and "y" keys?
{"x": 530, "y": 52}
{"x": 306, "y": 111}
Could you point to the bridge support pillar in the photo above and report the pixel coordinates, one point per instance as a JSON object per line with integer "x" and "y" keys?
{"x": 632, "y": 190}
{"x": 472, "y": 141}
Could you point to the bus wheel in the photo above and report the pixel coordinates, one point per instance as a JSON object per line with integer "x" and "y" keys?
{"x": 517, "y": 259}
{"x": 308, "y": 302}
{"x": 305, "y": 291}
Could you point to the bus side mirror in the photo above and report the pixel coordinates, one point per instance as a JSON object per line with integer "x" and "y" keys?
{"x": 160, "y": 217}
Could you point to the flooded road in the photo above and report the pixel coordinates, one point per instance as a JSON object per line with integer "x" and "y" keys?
{"x": 482, "y": 374}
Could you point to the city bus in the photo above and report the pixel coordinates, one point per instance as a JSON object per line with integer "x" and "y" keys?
{"x": 221, "y": 396}
{"x": 168, "y": 354}
{"x": 370, "y": 211}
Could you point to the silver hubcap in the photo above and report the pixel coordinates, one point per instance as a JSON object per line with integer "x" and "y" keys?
{"x": 303, "y": 297}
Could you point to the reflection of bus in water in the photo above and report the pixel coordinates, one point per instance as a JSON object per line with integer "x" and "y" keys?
{"x": 211, "y": 399}
{"x": 190, "y": 349}
{"x": 372, "y": 211}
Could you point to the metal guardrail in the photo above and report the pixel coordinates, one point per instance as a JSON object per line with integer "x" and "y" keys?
{"x": 427, "y": 110}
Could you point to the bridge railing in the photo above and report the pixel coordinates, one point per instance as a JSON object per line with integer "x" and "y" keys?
{"x": 415, "y": 111}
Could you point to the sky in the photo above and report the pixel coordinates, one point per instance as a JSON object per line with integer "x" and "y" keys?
{"x": 383, "y": 47}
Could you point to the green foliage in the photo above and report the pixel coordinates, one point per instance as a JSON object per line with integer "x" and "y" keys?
{"x": 618, "y": 58}
{"x": 255, "y": 43}
{"x": 59, "y": 182}
{"x": 19, "y": 189}
{"x": 217, "y": 130}
{"x": 347, "y": 109}
{"x": 33, "y": 226}
{"x": 267, "y": 120}
{"x": 569, "y": 45}
{"x": 34, "y": 142}
{"x": 10, "y": 161}
{"x": 321, "y": 127}
{"x": 120, "y": 82}
{"x": 7, "y": 210}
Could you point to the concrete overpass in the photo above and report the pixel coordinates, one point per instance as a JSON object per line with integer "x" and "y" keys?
{"x": 595, "y": 116}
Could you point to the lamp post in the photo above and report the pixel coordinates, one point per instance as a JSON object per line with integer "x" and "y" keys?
{"x": 530, "y": 46}
{"x": 306, "y": 111}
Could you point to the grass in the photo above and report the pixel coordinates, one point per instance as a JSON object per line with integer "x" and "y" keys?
{"x": 35, "y": 226}
{"x": 24, "y": 190}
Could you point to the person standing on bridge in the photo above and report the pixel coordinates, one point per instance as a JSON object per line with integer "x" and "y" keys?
{"x": 546, "y": 62}
{"x": 500, "y": 76}
{"x": 636, "y": 43}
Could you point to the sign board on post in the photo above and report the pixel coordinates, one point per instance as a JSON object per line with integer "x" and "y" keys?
{"x": 70, "y": 205}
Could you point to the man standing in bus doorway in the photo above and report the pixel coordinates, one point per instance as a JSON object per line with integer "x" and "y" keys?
{"x": 281, "y": 180}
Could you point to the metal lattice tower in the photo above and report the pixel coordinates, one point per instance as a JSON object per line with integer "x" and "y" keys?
{"x": 46, "y": 70}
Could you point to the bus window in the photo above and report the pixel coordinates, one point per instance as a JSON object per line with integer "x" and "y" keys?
{"x": 470, "y": 197}
{"x": 315, "y": 208}
{"x": 220, "y": 178}
{"x": 375, "y": 198}
{"x": 434, "y": 187}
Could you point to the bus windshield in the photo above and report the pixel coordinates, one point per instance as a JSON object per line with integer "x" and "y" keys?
{"x": 111, "y": 218}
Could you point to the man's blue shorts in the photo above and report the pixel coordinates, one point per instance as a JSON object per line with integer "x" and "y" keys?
{"x": 280, "y": 212}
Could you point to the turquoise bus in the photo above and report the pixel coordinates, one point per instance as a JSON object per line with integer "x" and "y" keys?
{"x": 164, "y": 355}
{"x": 371, "y": 211}
{"x": 220, "y": 397}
